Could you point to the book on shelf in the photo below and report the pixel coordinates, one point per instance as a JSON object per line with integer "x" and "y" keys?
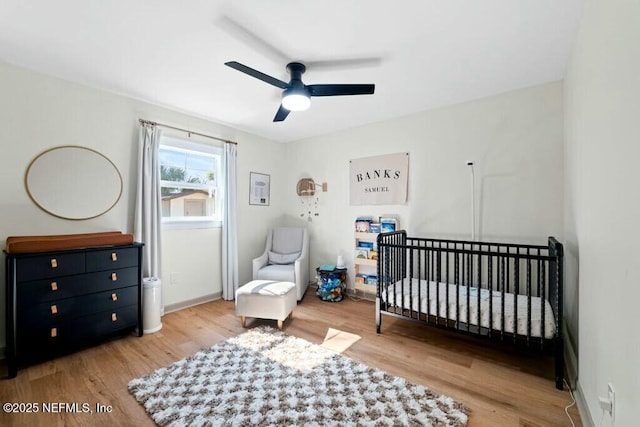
{"x": 374, "y": 227}
{"x": 388, "y": 217}
{"x": 371, "y": 280}
{"x": 363, "y": 223}
{"x": 387, "y": 227}
{"x": 366, "y": 279}
{"x": 388, "y": 224}
{"x": 373, "y": 254}
{"x": 364, "y": 244}
{"x": 362, "y": 253}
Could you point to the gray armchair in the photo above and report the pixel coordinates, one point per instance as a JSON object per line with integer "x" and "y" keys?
{"x": 285, "y": 258}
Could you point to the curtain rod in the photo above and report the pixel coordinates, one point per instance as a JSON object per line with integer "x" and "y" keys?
{"x": 190, "y": 132}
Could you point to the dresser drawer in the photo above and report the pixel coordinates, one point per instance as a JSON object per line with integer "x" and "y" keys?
{"x": 108, "y": 322}
{"x": 60, "y": 335}
{"x": 39, "y": 291}
{"x": 53, "y": 312}
{"x": 53, "y": 265}
{"x": 109, "y": 259}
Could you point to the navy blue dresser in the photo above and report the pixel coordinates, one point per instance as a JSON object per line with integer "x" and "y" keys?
{"x": 58, "y": 302}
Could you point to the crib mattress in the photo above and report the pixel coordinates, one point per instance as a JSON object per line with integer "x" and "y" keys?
{"x": 416, "y": 300}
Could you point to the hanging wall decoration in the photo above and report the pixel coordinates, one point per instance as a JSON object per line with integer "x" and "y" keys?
{"x": 306, "y": 189}
{"x": 379, "y": 180}
{"x": 259, "y": 189}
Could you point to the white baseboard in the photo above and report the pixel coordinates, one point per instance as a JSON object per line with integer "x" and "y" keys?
{"x": 571, "y": 375}
{"x": 583, "y": 408}
{"x": 192, "y": 302}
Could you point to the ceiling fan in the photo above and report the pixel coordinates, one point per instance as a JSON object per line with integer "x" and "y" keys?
{"x": 296, "y": 95}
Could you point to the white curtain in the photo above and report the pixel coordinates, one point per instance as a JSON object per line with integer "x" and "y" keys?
{"x": 148, "y": 217}
{"x": 230, "y": 224}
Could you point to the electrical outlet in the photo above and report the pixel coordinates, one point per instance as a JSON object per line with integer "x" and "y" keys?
{"x": 612, "y": 399}
{"x": 608, "y": 404}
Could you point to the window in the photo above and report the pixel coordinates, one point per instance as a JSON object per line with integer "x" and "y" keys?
{"x": 190, "y": 180}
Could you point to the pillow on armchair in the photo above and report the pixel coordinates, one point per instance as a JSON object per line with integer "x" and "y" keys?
{"x": 276, "y": 258}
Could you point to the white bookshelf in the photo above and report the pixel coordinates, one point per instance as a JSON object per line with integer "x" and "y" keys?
{"x": 364, "y": 266}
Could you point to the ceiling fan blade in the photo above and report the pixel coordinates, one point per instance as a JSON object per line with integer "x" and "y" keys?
{"x": 257, "y": 74}
{"x": 281, "y": 114}
{"x": 346, "y": 89}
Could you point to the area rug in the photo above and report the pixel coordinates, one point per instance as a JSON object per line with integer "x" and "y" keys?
{"x": 265, "y": 377}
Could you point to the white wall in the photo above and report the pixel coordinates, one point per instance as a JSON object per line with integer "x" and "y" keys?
{"x": 602, "y": 90}
{"x": 515, "y": 139}
{"x": 38, "y": 112}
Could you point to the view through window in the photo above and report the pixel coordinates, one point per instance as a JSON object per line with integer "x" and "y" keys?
{"x": 189, "y": 180}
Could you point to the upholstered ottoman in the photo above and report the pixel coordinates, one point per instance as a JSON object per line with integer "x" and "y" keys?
{"x": 266, "y": 299}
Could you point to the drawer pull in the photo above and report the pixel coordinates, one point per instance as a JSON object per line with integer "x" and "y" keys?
{"x": 114, "y": 256}
{"x": 54, "y": 309}
{"x": 114, "y": 297}
{"x": 54, "y": 286}
{"x": 114, "y": 277}
{"x": 54, "y": 263}
{"x": 54, "y": 332}
{"x": 114, "y": 317}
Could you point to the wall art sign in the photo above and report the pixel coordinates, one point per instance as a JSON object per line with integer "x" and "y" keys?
{"x": 379, "y": 180}
{"x": 259, "y": 189}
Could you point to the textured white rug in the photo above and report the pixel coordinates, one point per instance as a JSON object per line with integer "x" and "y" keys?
{"x": 264, "y": 377}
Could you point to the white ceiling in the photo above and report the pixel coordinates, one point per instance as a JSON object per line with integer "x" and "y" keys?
{"x": 420, "y": 54}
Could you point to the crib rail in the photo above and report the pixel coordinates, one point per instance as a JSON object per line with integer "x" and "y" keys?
{"x": 451, "y": 283}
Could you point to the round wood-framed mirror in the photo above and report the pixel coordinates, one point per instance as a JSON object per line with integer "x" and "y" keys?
{"x": 73, "y": 182}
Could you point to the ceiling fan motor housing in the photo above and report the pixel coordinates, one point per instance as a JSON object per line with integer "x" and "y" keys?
{"x": 296, "y": 69}
{"x": 296, "y": 87}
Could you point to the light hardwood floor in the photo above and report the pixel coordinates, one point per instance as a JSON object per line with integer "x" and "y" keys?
{"x": 500, "y": 387}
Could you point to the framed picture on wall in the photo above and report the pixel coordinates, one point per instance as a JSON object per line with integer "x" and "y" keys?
{"x": 259, "y": 189}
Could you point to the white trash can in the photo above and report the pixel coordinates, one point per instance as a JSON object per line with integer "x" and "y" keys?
{"x": 151, "y": 304}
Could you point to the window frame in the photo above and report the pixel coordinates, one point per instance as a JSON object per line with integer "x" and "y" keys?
{"x": 180, "y": 143}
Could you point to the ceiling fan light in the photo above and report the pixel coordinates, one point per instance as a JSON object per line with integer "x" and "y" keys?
{"x": 296, "y": 102}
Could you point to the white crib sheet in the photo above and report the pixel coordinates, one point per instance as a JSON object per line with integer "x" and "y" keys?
{"x": 397, "y": 299}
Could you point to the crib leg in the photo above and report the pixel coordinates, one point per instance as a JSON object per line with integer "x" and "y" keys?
{"x": 559, "y": 356}
{"x": 378, "y": 315}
